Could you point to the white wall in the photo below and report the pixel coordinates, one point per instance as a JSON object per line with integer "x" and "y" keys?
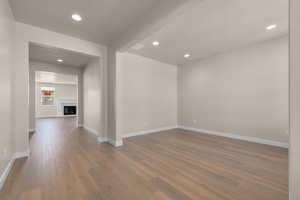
{"x": 244, "y": 92}
{"x": 63, "y": 92}
{"x": 294, "y": 150}
{"x": 92, "y": 98}
{"x": 6, "y": 67}
{"x": 41, "y": 66}
{"x": 146, "y": 94}
{"x": 24, "y": 35}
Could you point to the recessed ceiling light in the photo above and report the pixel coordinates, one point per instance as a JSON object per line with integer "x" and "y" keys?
{"x": 60, "y": 60}
{"x": 187, "y": 55}
{"x": 155, "y": 43}
{"x": 76, "y": 17}
{"x": 272, "y": 26}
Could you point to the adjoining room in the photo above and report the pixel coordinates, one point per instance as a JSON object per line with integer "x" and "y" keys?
{"x": 64, "y": 88}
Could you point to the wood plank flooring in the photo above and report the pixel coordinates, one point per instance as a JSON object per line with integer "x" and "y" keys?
{"x": 66, "y": 163}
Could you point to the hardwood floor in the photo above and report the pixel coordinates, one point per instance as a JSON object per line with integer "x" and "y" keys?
{"x": 68, "y": 163}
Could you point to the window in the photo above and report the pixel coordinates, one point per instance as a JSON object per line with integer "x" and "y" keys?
{"x": 47, "y": 95}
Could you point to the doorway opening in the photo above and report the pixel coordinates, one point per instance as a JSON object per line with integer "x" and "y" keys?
{"x": 61, "y": 97}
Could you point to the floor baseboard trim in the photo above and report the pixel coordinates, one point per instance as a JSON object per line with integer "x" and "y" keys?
{"x": 9, "y": 166}
{"x": 101, "y": 139}
{"x": 238, "y": 137}
{"x": 93, "y": 131}
{"x": 110, "y": 141}
{"x": 22, "y": 154}
{"x": 150, "y": 131}
{"x": 6, "y": 173}
{"x": 115, "y": 143}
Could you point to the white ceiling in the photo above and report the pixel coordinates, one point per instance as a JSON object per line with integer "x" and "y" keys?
{"x": 51, "y": 77}
{"x": 205, "y": 28}
{"x": 103, "y": 20}
{"x": 215, "y": 26}
{"x": 50, "y": 55}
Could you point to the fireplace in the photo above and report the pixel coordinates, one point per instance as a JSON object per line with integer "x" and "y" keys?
{"x": 69, "y": 110}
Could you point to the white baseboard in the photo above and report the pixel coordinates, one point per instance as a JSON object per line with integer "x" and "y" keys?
{"x": 238, "y": 137}
{"x": 100, "y": 139}
{"x": 150, "y": 131}
{"x": 5, "y": 173}
{"x": 110, "y": 141}
{"x": 22, "y": 154}
{"x": 115, "y": 143}
{"x": 91, "y": 130}
{"x": 9, "y": 166}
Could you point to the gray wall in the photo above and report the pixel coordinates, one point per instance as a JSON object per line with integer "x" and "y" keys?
{"x": 146, "y": 94}
{"x": 92, "y": 97}
{"x": 6, "y": 55}
{"x": 294, "y": 152}
{"x": 243, "y": 92}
